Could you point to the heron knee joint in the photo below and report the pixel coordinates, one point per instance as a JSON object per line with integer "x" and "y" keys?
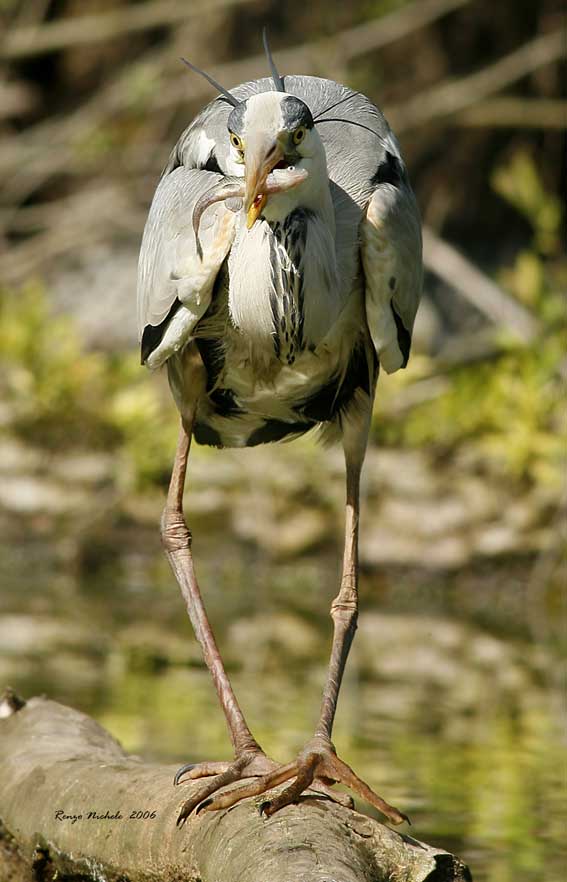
{"x": 344, "y": 612}
{"x": 175, "y": 535}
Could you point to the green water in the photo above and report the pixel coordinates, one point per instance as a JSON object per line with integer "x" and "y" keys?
{"x": 451, "y": 706}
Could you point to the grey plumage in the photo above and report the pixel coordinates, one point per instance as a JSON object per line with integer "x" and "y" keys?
{"x": 277, "y": 327}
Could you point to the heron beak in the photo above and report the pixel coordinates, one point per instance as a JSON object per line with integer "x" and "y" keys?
{"x": 260, "y": 159}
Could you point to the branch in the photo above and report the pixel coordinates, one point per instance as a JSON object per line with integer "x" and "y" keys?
{"x": 67, "y": 224}
{"x": 84, "y": 30}
{"x": 450, "y": 265}
{"x": 16, "y": 99}
{"x": 517, "y": 113}
{"x": 55, "y": 759}
{"x": 371, "y": 35}
{"x": 325, "y": 57}
{"x": 456, "y": 95}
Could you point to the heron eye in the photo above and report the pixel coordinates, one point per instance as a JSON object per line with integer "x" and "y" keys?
{"x": 299, "y": 135}
{"x": 236, "y": 141}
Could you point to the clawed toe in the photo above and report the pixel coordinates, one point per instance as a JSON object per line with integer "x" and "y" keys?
{"x": 317, "y": 767}
{"x": 254, "y": 787}
{"x": 315, "y": 770}
{"x": 182, "y": 771}
{"x": 345, "y": 775}
{"x": 191, "y": 771}
{"x": 327, "y": 792}
{"x": 254, "y": 765}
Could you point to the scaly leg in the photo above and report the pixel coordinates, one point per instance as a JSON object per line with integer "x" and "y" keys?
{"x": 318, "y": 762}
{"x": 319, "y": 759}
{"x": 249, "y": 760}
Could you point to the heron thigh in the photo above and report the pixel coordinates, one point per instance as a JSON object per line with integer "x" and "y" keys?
{"x": 187, "y": 380}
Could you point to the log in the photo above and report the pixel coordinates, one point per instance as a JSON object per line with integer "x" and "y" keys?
{"x": 74, "y": 805}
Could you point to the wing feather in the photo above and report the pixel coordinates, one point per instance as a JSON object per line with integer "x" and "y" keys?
{"x": 174, "y": 283}
{"x": 392, "y": 263}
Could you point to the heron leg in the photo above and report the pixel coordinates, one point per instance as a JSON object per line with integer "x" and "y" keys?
{"x": 318, "y": 767}
{"x": 318, "y": 761}
{"x": 177, "y": 542}
{"x": 344, "y": 608}
{"x": 249, "y": 757}
{"x": 250, "y": 760}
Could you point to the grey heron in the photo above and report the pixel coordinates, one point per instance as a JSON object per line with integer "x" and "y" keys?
{"x": 280, "y": 267}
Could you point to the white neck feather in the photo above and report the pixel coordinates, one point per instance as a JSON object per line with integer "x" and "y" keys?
{"x": 254, "y": 261}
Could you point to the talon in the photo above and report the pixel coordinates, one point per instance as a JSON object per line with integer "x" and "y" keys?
{"x": 180, "y": 772}
{"x": 203, "y": 805}
{"x": 263, "y": 809}
{"x": 182, "y": 817}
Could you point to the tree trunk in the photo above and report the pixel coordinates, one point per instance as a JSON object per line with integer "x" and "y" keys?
{"x": 74, "y": 806}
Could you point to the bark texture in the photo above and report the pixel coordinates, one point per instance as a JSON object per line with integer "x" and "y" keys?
{"x": 54, "y": 759}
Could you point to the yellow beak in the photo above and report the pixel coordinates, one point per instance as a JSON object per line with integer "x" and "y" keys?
{"x": 255, "y": 210}
{"x": 262, "y": 155}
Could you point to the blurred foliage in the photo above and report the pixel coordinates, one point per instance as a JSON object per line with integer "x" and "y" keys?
{"x": 62, "y": 396}
{"x": 509, "y": 408}
{"x": 520, "y": 183}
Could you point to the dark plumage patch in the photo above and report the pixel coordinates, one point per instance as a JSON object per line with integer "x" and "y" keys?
{"x": 330, "y": 399}
{"x": 389, "y": 171}
{"x": 204, "y": 434}
{"x": 212, "y": 353}
{"x": 223, "y": 400}
{"x": 211, "y": 164}
{"x": 275, "y": 335}
{"x": 153, "y": 334}
{"x": 236, "y": 119}
{"x": 287, "y": 301}
{"x": 275, "y": 430}
{"x": 225, "y": 403}
{"x": 295, "y": 113}
{"x": 297, "y": 219}
{"x": 404, "y": 336}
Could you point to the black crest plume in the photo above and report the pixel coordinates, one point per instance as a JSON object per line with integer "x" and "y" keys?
{"x": 278, "y": 81}
{"x": 212, "y": 81}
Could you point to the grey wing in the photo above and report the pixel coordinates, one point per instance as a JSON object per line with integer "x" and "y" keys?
{"x": 393, "y": 269}
{"x": 175, "y": 284}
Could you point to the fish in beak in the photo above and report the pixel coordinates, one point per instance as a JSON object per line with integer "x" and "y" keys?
{"x": 262, "y": 179}
{"x": 261, "y": 157}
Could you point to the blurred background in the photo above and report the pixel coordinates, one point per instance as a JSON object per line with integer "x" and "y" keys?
{"x": 453, "y": 705}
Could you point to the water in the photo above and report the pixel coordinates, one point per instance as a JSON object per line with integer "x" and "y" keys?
{"x": 451, "y": 705}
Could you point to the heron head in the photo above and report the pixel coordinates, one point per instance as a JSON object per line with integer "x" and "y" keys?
{"x": 271, "y": 131}
{"x": 273, "y": 135}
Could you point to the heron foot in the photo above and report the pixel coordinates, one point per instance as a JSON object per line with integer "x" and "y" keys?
{"x": 316, "y": 768}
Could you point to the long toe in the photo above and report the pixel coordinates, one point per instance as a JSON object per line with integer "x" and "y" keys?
{"x": 326, "y": 790}
{"x": 304, "y": 777}
{"x": 346, "y": 776}
{"x": 253, "y": 764}
{"x": 204, "y": 790}
{"x": 191, "y": 771}
{"x": 316, "y": 768}
{"x": 254, "y": 787}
